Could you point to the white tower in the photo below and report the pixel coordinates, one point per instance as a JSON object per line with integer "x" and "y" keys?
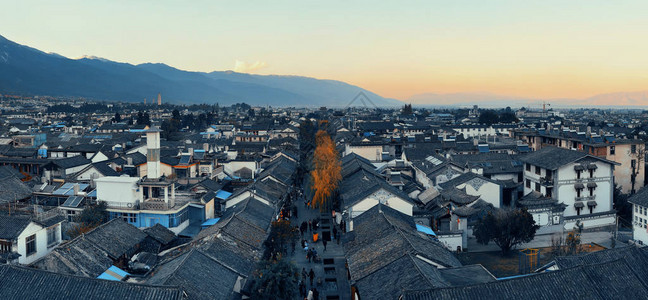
{"x": 153, "y": 153}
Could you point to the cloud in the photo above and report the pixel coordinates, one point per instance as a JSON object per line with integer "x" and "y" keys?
{"x": 245, "y": 67}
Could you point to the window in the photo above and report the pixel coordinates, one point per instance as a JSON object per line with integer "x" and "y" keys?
{"x": 537, "y": 187}
{"x": 129, "y": 217}
{"x": 636, "y": 210}
{"x": 549, "y": 192}
{"x": 52, "y": 235}
{"x": 528, "y": 183}
{"x": 578, "y": 174}
{"x": 578, "y": 210}
{"x": 633, "y": 148}
{"x": 5, "y": 246}
{"x": 30, "y": 243}
{"x": 537, "y": 170}
{"x": 591, "y": 191}
{"x": 591, "y": 171}
{"x": 612, "y": 150}
{"x": 578, "y": 192}
{"x": 528, "y": 167}
{"x": 591, "y": 208}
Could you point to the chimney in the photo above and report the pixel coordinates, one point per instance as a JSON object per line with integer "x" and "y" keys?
{"x": 129, "y": 161}
{"x": 76, "y": 189}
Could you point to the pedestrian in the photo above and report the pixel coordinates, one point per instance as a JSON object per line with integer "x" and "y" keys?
{"x": 304, "y": 274}
{"x": 315, "y": 294}
{"x": 302, "y": 289}
{"x": 337, "y": 237}
{"x": 309, "y": 255}
{"x": 310, "y": 295}
{"x": 311, "y": 274}
{"x": 324, "y": 242}
{"x": 335, "y": 231}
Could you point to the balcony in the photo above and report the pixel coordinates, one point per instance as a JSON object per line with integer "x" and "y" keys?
{"x": 585, "y": 198}
{"x": 547, "y": 181}
{"x": 156, "y": 204}
{"x": 121, "y": 205}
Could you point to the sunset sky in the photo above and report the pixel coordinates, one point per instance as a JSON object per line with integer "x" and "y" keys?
{"x": 550, "y": 49}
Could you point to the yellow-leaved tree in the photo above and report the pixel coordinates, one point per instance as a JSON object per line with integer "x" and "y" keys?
{"x": 326, "y": 173}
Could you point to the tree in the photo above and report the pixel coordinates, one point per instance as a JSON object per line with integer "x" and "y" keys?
{"x": 275, "y": 280}
{"x": 280, "y": 237}
{"x": 621, "y": 205}
{"x": 507, "y": 228}
{"x": 117, "y": 117}
{"x": 91, "y": 217}
{"x": 637, "y": 155}
{"x": 488, "y": 117}
{"x": 327, "y": 171}
{"x": 407, "y": 109}
{"x": 571, "y": 245}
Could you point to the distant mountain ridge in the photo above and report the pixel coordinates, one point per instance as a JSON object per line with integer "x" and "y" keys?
{"x": 639, "y": 98}
{"x": 25, "y": 70}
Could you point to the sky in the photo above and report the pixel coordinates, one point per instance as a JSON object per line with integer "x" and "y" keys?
{"x": 537, "y": 49}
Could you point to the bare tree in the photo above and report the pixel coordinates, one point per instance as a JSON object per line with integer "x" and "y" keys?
{"x": 637, "y": 154}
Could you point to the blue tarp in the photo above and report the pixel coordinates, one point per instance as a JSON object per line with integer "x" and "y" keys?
{"x": 425, "y": 229}
{"x": 113, "y": 273}
{"x": 210, "y": 222}
{"x": 223, "y": 195}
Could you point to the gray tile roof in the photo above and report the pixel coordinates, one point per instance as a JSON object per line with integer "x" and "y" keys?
{"x": 636, "y": 258}
{"x": 92, "y": 253}
{"x": 24, "y": 283}
{"x": 610, "y": 280}
{"x": 161, "y": 234}
{"x": 382, "y": 256}
{"x": 553, "y": 158}
{"x": 12, "y": 226}
{"x": 13, "y": 189}
{"x": 640, "y": 197}
{"x": 199, "y": 275}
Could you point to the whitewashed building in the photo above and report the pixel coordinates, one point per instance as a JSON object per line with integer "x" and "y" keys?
{"x": 582, "y": 183}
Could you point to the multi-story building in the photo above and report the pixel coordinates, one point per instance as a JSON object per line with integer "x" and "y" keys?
{"x": 583, "y": 183}
{"x": 627, "y": 152}
{"x": 640, "y": 215}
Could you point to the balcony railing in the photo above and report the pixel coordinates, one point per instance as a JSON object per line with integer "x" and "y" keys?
{"x": 155, "y": 204}
{"x": 122, "y": 205}
{"x": 546, "y": 181}
{"x": 586, "y": 198}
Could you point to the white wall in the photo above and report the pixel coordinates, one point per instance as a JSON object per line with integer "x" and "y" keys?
{"x": 488, "y": 191}
{"x": 451, "y": 241}
{"x": 370, "y": 152}
{"x": 41, "y": 242}
{"x": 566, "y": 192}
{"x": 639, "y": 218}
{"x": 119, "y": 191}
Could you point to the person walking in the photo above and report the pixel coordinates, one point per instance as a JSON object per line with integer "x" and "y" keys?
{"x": 304, "y": 274}
{"x": 302, "y": 289}
{"x": 311, "y": 274}
{"x": 324, "y": 242}
{"x": 315, "y": 294}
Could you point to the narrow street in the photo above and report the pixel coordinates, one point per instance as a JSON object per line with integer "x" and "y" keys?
{"x": 330, "y": 272}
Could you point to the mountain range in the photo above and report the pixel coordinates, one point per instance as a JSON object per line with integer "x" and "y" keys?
{"x": 28, "y": 71}
{"x": 620, "y": 99}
